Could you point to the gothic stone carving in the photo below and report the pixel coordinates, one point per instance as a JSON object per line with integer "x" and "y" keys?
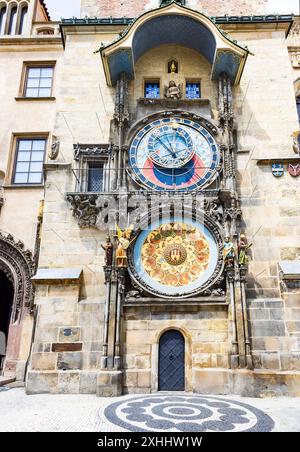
{"x": 18, "y": 265}
{"x": 82, "y": 150}
{"x": 85, "y": 209}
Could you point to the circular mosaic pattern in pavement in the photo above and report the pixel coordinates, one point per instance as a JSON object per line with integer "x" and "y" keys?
{"x": 187, "y": 413}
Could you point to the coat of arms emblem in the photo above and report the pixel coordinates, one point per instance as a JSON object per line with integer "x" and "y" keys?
{"x": 294, "y": 170}
{"x": 277, "y": 169}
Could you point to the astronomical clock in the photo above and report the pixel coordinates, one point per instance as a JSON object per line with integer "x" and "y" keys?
{"x": 176, "y": 258}
{"x": 174, "y": 154}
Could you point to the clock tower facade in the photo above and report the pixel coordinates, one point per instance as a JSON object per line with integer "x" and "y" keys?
{"x": 154, "y": 273}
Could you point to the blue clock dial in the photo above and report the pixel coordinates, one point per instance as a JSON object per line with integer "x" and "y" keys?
{"x": 170, "y": 146}
{"x": 174, "y": 154}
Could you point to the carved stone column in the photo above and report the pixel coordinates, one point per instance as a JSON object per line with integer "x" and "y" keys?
{"x": 234, "y": 359}
{"x": 236, "y": 276}
{"x": 243, "y": 274}
{"x": 121, "y": 120}
{"x": 108, "y": 276}
{"x": 120, "y": 300}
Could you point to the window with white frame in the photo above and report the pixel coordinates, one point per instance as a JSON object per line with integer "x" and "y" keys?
{"x": 30, "y": 156}
{"x": 39, "y": 81}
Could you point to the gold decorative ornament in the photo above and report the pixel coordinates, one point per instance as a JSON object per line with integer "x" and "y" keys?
{"x": 175, "y": 254}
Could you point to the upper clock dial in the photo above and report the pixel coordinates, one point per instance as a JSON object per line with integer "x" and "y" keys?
{"x": 174, "y": 154}
{"x": 170, "y": 146}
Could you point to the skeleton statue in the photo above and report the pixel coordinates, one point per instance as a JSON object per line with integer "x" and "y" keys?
{"x": 174, "y": 91}
{"x": 228, "y": 252}
{"x": 109, "y": 252}
{"x": 123, "y": 245}
{"x": 243, "y": 248}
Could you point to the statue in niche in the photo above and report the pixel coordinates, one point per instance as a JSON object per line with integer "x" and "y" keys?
{"x": 228, "y": 252}
{"x": 173, "y": 91}
{"x": 109, "y": 252}
{"x": 173, "y": 67}
{"x": 123, "y": 245}
{"x": 243, "y": 248}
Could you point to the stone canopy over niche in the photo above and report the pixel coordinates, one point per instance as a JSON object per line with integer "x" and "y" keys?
{"x": 132, "y": 8}
{"x": 173, "y": 24}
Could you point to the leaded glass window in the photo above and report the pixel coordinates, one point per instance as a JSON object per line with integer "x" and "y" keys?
{"x": 152, "y": 90}
{"x": 95, "y": 178}
{"x": 193, "y": 90}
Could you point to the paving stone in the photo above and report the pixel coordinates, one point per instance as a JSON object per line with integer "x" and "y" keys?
{"x": 86, "y": 413}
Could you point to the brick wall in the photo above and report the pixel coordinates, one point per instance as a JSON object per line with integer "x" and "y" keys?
{"x": 132, "y": 8}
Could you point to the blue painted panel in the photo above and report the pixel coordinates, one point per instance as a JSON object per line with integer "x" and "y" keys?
{"x": 174, "y": 29}
{"x": 227, "y": 62}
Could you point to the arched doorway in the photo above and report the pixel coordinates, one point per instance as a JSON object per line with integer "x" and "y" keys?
{"x": 16, "y": 297}
{"x": 6, "y": 304}
{"x": 171, "y": 367}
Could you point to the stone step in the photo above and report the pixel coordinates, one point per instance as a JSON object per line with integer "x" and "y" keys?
{"x": 16, "y": 384}
{"x": 6, "y": 381}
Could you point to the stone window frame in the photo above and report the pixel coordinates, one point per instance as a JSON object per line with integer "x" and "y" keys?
{"x": 86, "y": 164}
{"x": 24, "y": 78}
{"x": 12, "y": 158}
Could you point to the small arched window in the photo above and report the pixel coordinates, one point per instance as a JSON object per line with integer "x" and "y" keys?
{"x": 45, "y": 31}
{"x": 3, "y": 13}
{"x": 12, "y": 21}
{"x": 23, "y": 19}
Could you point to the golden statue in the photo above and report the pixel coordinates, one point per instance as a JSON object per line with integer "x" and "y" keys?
{"x": 243, "y": 248}
{"x": 173, "y": 67}
{"x": 123, "y": 245}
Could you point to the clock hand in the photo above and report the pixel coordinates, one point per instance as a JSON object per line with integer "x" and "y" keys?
{"x": 173, "y": 152}
{"x": 165, "y": 146}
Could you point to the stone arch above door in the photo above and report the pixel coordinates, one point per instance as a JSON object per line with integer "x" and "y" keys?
{"x": 18, "y": 265}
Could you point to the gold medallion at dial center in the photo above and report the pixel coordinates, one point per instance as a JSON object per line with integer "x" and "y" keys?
{"x": 175, "y": 254}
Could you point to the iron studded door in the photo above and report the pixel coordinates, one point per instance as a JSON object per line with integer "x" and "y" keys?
{"x": 171, "y": 369}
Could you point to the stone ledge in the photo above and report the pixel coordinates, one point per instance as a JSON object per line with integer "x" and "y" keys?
{"x": 290, "y": 270}
{"x": 55, "y": 276}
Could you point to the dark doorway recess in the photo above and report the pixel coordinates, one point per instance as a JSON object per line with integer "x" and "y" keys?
{"x": 6, "y": 302}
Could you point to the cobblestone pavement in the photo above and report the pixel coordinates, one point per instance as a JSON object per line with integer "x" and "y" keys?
{"x": 159, "y": 412}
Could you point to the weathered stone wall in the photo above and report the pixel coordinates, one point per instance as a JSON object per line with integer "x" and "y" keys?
{"x": 265, "y": 122}
{"x": 14, "y": 115}
{"x": 275, "y": 332}
{"x": 78, "y": 307}
{"x": 206, "y": 334}
{"x": 131, "y": 8}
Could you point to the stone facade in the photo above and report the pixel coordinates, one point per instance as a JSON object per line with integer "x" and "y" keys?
{"x": 98, "y": 332}
{"x": 131, "y": 8}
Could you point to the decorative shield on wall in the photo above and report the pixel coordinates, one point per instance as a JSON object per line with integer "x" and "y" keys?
{"x": 277, "y": 169}
{"x": 294, "y": 170}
